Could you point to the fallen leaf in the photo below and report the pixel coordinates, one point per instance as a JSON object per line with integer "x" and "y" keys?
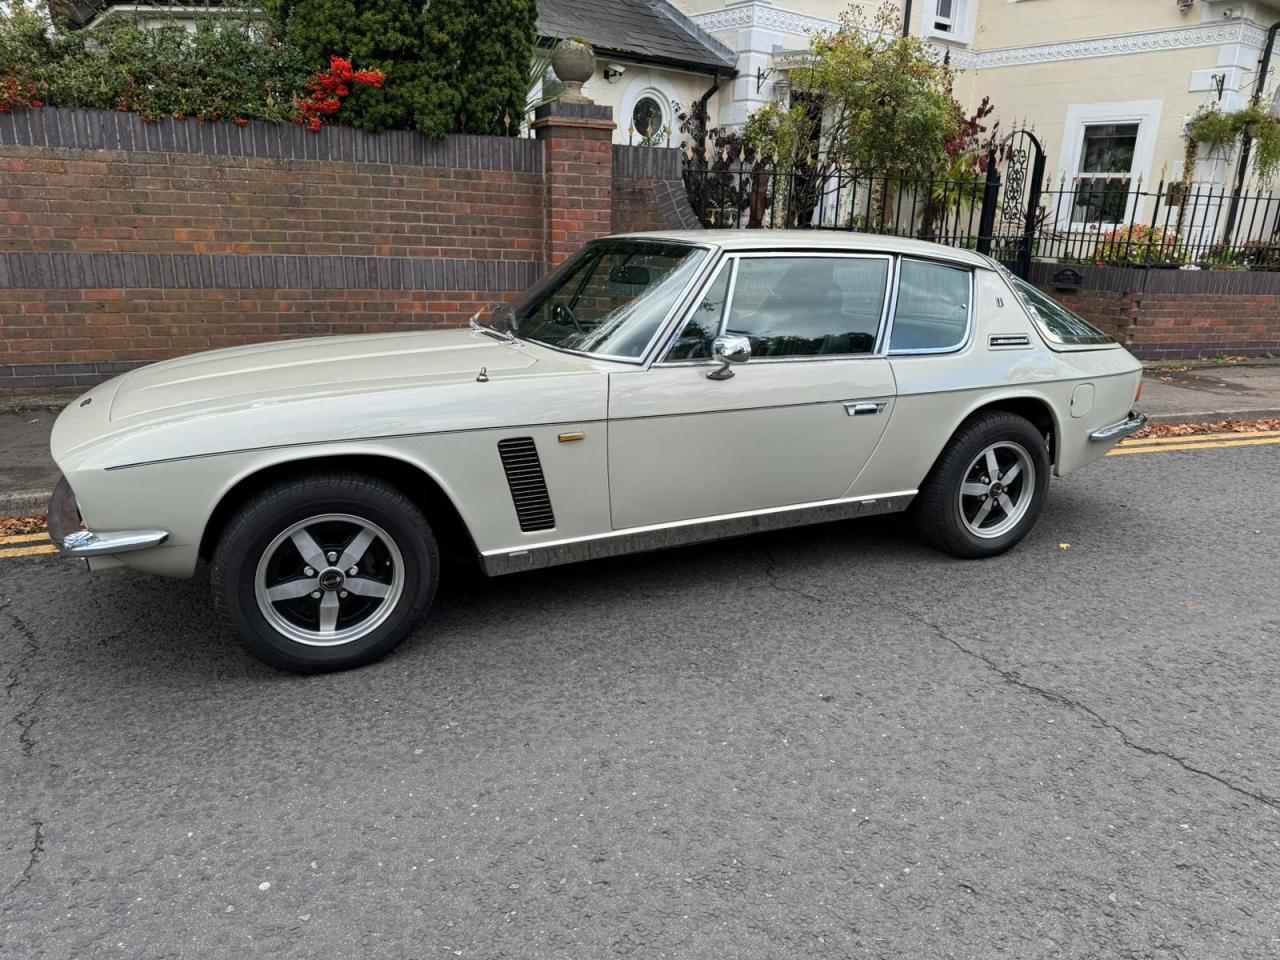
{"x": 1155, "y": 430}
{"x": 13, "y": 526}
{"x": 1064, "y": 546}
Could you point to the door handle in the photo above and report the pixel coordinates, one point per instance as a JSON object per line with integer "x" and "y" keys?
{"x": 864, "y": 408}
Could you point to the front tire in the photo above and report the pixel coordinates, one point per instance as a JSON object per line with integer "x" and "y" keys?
{"x": 987, "y": 489}
{"x": 325, "y": 572}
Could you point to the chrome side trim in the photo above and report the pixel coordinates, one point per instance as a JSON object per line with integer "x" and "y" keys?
{"x": 1007, "y": 340}
{"x": 67, "y": 533}
{"x": 1118, "y": 431}
{"x": 679, "y": 533}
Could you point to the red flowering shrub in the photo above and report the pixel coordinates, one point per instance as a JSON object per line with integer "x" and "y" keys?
{"x": 16, "y": 95}
{"x": 326, "y": 90}
{"x": 1137, "y": 245}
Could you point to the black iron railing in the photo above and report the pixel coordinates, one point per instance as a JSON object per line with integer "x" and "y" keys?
{"x": 1111, "y": 221}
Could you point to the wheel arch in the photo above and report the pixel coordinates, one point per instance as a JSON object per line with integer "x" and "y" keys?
{"x": 1031, "y": 407}
{"x": 410, "y": 478}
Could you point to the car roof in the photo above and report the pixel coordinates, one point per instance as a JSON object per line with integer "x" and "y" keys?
{"x": 842, "y": 240}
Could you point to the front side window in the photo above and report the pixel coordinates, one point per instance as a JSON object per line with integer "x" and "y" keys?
{"x": 694, "y": 339}
{"x": 1106, "y": 170}
{"x": 1055, "y": 320}
{"x": 932, "y": 311}
{"x": 610, "y": 299}
{"x": 808, "y": 306}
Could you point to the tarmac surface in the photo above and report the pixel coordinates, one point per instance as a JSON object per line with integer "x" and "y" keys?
{"x": 829, "y": 742}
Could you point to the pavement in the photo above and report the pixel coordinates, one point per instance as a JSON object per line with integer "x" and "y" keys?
{"x": 1171, "y": 394}
{"x": 831, "y": 742}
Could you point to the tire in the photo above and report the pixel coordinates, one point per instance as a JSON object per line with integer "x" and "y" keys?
{"x": 962, "y": 510}
{"x": 267, "y": 572}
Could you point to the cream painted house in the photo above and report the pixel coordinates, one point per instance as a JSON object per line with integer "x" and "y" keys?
{"x": 1100, "y": 82}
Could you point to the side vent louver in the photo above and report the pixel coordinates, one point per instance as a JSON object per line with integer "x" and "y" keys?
{"x": 528, "y": 485}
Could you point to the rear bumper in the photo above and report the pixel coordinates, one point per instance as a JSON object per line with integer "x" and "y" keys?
{"x": 1122, "y": 429}
{"x": 69, "y": 535}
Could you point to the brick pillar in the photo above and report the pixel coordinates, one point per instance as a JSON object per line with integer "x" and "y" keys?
{"x": 578, "y": 158}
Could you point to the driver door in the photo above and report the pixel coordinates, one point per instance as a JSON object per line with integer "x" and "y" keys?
{"x": 793, "y": 425}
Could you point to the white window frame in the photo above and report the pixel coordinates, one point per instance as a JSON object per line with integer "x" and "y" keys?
{"x": 1145, "y": 113}
{"x": 963, "y": 20}
{"x": 661, "y": 91}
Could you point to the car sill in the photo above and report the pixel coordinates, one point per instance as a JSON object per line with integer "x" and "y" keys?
{"x": 683, "y": 532}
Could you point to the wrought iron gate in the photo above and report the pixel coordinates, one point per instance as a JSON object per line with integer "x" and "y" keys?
{"x": 1011, "y": 200}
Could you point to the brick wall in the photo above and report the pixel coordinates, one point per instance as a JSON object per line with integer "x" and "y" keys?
{"x": 648, "y": 192}
{"x": 123, "y": 242}
{"x": 1176, "y": 314}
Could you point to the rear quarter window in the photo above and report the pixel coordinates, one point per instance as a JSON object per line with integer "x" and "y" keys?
{"x": 1055, "y": 321}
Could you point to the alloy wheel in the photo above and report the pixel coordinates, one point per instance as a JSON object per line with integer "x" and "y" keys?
{"x": 329, "y": 579}
{"x": 997, "y": 490}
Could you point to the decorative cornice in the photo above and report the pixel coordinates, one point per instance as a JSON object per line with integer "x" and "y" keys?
{"x": 757, "y": 15}
{"x": 964, "y": 58}
{"x": 1178, "y": 38}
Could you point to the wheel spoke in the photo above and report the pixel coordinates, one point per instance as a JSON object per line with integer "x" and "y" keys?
{"x": 329, "y": 612}
{"x": 1006, "y": 505}
{"x": 366, "y": 588}
{"x": 982, "y": 513}
{"x": 356, "y": 548}
{"x": 309, "y": 549}
{"x": 293, "y": 589}
{"x": 973, "y": 489}
{"x": 993, "y": 466}
{"x": 1011, "y": 474}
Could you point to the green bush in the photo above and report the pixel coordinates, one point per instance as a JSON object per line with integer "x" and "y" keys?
{"x": 449, "y": 66}
{"x": 452, "y": 66}
{"x": 228, "y": 67}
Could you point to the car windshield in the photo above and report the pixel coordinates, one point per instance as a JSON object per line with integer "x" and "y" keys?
{"x": 608, "y": 300}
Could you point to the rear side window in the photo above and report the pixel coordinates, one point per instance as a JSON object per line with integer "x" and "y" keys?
{"x": 932, "y": 312}
{"x": 809, "y": 306}
{"x": 1055, "y": 321}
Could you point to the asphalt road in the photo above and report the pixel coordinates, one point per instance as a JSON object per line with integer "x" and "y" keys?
{"x": 823, "y": 743}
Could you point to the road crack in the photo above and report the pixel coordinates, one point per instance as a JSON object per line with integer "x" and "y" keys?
{"x": 1012, "y": 678}
{"x": 24, "y": 717}
{"x": 33, "y": 858}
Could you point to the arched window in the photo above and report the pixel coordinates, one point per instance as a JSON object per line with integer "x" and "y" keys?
{"x": 648, "y": 121}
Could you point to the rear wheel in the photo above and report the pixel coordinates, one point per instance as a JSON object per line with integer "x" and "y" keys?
{"x": 988, "y": 487}
{"x": 325, "y": 572}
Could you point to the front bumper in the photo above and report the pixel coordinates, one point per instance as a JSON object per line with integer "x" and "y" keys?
{"x": 1125, "y": 428}
{"x": 70, "y": 536}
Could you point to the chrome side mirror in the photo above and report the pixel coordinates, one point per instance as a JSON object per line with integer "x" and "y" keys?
{"x": 726, "y": 351}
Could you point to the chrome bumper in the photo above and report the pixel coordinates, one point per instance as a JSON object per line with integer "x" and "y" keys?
{"x": 1118, "y": 431}
{"x": 69, "y": 535}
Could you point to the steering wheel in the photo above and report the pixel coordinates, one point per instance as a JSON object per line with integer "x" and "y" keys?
{"x": 562, "y": 312}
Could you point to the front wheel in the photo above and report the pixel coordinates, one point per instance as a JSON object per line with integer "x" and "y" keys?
{"x": 987, "y": 488}
{"x": 325, "y": 572}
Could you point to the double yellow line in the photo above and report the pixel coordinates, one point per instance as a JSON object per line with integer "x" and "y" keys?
{"x": 26, "y": 545}
{"x": 1203, "y": 441}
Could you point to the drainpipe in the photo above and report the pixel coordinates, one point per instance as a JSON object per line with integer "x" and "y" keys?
{"x": 906, "y": 18}
{"x": 1242, "y": 168}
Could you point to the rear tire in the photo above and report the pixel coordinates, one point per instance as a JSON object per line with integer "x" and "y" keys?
{"x": 987, "y": 488}
{"x": 325, "y": 572}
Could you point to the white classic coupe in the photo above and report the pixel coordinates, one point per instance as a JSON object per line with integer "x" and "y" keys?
{"x": 657, "y": 389}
